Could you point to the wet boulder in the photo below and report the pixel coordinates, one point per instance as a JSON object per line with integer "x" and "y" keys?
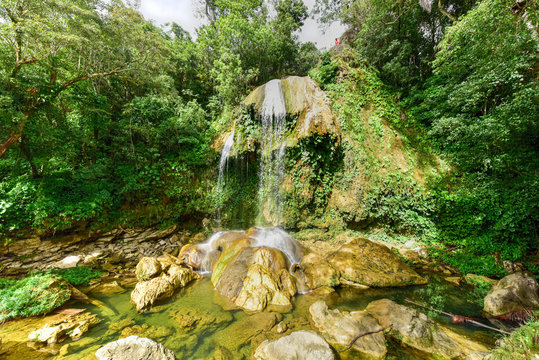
{"x": 340, "y": 328}
{"x": 416, "y": 330}
{"x": 134, "y": 347}
{"x": 299, "y": 345}
{"x": 514, "y": 292}
{"x": 368, "y": 263}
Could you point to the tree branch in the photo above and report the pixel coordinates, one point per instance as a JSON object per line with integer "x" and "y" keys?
{"x": 118, "y": 70}
{"x": 364, "y": 334}
{"x": 445, "y": 12}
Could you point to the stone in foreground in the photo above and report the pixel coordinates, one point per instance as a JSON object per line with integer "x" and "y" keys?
{"x": 514, "y": 292}
{"x": 299, "y": 345}
{"x": 416, "y": 330}
{"x": 340, "y": 328}
{"x": 134, "y": 348}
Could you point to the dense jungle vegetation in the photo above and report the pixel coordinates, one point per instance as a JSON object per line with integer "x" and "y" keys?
{"x": 107, "y": 119}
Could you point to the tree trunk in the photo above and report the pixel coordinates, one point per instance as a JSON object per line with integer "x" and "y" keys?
{"x": 28, "y": 156}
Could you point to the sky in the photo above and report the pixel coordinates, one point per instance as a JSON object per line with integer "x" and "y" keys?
{"x": 183, "y": 12}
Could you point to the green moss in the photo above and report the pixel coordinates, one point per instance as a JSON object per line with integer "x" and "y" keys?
{"x": 78, "y": 275}
{"x": 31, "y": 296}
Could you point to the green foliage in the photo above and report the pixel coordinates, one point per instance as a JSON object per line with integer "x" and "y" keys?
{"x": 34, "y": 295}
{"x": 522, "y": 344}
{"x": 78, "y": 275}
{"x": 479, "y": 291}
{"x": 326, "y": 72}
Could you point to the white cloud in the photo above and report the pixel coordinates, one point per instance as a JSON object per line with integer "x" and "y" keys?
{"x": 183, "y": 12}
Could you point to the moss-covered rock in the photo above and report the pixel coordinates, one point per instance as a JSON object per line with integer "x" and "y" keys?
{"x": 31, "y": 296}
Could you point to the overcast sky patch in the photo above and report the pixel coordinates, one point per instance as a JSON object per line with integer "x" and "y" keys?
{"x": 184, "y": 12}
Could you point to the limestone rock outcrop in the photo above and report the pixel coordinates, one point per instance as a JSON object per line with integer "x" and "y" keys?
{"x": 416, "y": 330}
{"x": 134, "y": 347}
{"x": 304, "y": 99}
{"x": 514, "y": 292}
{"x": 299, "y": 345}
{"x": 340, "y": 328}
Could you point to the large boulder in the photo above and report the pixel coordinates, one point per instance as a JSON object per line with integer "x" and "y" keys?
{"x": 299, "y": 345}
{"x": 254, "y": 278}
{"x": 156, "y": 289}
{"x": 416, "y": 330}
{"x": 318, "y": 272}
{"x": 368, "y": 263}
{"x": 340, "y": 328}
{"x": 134, "y": 347}
{"x": 514, "y": 292}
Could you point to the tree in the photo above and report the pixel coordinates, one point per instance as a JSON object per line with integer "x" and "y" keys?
{"x": 55, "y": 44}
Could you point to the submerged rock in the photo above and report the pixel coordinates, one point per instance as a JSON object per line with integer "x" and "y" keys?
{"x": 340, "y": 328}
{"x": 134, "y": 347}
{"x": 299, "y": 345}
{"x": 368, "y": 263}
{"x": 73, "y": 326}
{"x": 243, "y": 331}
{"x": 514, "y": 292}
{"x": 416, "y": 330}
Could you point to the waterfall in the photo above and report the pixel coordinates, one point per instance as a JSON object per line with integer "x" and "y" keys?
{"x": 273, "y": 148}
{"x": 225, "y": 154}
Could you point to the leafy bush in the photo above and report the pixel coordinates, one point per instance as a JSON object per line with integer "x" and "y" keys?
{"x": 78, "y": 275}
{"x": 326, "y": 73}
{"x": 34, "y": 295}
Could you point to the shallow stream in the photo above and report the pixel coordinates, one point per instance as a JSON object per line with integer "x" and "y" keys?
{"x": 193, "y": 325}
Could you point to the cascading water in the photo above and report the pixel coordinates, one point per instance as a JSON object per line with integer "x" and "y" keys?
{"x": 223, "y": 166}
{"x": 273, "y": 148}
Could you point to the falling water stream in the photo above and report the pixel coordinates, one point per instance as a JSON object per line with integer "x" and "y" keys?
{"x": 273, "y": 149}
{"x": 223, "y": 167}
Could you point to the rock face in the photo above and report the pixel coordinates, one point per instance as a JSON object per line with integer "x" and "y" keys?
{"x": 74, "y": 327}
{"x": 416, "y": 330}
{"x": 156, "y": 289}
{"x": 134, "y": 347}
{"x": 367, "y": 263}
{"x": 304, "y": 99}
{"x": 514, "y": 292}
{"x": 299, "y": 345}
{"x": 340, "y": 328}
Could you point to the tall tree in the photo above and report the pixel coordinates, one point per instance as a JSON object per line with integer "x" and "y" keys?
{"x": 55, "y": 44}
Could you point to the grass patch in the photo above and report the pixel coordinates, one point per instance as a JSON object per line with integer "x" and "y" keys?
{"x": 522, "y": 344}
{"x": 78, "y": 275}
{"x": 34, "y": 295}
